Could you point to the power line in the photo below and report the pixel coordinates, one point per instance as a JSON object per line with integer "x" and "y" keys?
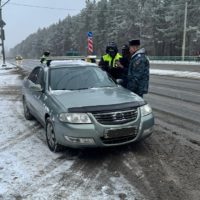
{"x": 64, "y": 9}
{"x": 2, "y": 36}
{"x": 42, "y": 7}
{"x": 5, "y": 3}
{"x": 91, "y": 10}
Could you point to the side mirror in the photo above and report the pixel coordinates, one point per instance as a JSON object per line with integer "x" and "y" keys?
{"x": 36, "y": 88}
{"x": 119, "y": 81}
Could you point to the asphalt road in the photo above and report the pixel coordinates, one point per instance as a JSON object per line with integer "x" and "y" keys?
{"x": 165, "y": 166}
{"x": 176, "y": 101}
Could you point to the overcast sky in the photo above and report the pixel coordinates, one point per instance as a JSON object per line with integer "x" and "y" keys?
{"x": 22, "y": 20}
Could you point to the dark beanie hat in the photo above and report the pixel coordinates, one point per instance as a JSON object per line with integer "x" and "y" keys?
{"x": 134, "y": 43}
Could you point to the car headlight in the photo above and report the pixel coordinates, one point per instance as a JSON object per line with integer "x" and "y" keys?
{"x": 75, "y": 118}
{"x": 146, "y": 110}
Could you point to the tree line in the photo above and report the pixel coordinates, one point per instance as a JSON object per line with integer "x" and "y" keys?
{"x": 158, "y": 23}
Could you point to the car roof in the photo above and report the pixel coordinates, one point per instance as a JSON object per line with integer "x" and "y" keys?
{"x": 70, "y": 63}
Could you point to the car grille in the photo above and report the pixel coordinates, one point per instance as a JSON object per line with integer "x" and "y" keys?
{"x": 117, "y": 117}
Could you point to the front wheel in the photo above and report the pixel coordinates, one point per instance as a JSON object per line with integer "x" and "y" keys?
{"x": 51, "y": 138}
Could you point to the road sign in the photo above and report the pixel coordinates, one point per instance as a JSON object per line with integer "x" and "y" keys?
{"x": 90, "y": 42}
{"x": 90, "y": 34}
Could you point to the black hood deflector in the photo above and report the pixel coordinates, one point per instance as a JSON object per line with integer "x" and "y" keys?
{"x": 107, "y": 108}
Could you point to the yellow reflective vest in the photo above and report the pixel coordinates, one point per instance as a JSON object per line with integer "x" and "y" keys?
{"x": 110, "y": 60}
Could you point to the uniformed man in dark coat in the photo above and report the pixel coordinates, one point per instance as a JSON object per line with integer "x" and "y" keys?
{"x": 138, "y": 72}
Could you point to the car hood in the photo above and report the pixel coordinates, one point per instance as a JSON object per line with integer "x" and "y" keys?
{"x": 94, "y": 97}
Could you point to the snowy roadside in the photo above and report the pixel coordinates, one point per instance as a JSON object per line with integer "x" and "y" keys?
{"x": 22, "y": 155}
{"x": 180, "y": 74}
{"x": 175, "y": 62}
{"x": 28, "y": 170}
{"x": 8, "y": 78}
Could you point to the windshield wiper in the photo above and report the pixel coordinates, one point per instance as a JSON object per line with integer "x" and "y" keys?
{"x": 79, "y": 89}
{"x": 83, "y": 88}
{"x": 87, "y": 88}
{"x": 108, "y": 86}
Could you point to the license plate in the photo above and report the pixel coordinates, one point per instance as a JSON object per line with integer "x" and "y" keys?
{"x": 122, "y": 132}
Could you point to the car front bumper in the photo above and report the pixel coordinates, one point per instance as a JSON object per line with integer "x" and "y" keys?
{"x": 94, "y": 135}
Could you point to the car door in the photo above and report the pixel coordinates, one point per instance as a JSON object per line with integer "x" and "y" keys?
{"x": 28, "y": 88}
{"x": 36, "y": 97}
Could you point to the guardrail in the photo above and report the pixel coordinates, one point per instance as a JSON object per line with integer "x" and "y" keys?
{"x": 175, "y": 58}
{"x": 152, "y": 58}
{"x": 160, "y": 58}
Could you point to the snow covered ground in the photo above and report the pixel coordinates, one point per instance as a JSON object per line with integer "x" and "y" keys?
{"x": 28, "y": 170}
{"x": 175, "y": 62}
{"x": 181, "y": 74}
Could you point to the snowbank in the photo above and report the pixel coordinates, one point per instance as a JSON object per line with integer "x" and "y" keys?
{"x": 181, "y": 74}
{"x": 24, "y": 156}
{"x": 7, "y": 66}
{"x": 175, "y": 62}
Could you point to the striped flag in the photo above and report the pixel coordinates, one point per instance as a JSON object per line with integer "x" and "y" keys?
{"x": 90, "y": 42}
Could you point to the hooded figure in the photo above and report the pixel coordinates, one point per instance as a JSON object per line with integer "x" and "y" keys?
{"x": 44, "y": 57}
{"x": 110, "y": 61}
{"x": 138, "y": 72}
{"x": 124, "y": 61}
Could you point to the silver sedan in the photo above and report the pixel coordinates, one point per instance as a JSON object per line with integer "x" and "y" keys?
{"x": 81, "y": 106}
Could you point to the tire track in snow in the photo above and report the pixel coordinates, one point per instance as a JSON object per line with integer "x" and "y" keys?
{"x": 16, "y": 140}
{"x": 49, "y": 175}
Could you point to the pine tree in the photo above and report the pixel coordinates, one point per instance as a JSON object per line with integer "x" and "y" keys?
{"x": 158, "y": 23}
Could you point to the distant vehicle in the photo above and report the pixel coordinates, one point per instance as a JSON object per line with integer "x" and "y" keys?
{"x": 91, "y": 58}
{"x": 18, "y": 58}
{"x": 81, "y": 106}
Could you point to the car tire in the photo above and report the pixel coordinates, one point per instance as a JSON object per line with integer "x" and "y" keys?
{"x": 27, "y": 113}
{"x": 51, "y": 138}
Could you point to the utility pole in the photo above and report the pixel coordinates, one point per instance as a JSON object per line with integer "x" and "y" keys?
{"x": 184, "y": 31}
{"x": 2, "y": 36}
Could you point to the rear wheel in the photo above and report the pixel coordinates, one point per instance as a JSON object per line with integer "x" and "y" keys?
{"x": 51, "y": 138}
{"x": 27, "y": 113}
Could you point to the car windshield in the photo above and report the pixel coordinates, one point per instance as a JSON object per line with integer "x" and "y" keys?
{"x": 79, "y": 78}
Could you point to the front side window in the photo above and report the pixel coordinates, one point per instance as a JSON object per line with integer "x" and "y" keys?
{"x": 77, "y": 78}
{"x": 37, "y": 76}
